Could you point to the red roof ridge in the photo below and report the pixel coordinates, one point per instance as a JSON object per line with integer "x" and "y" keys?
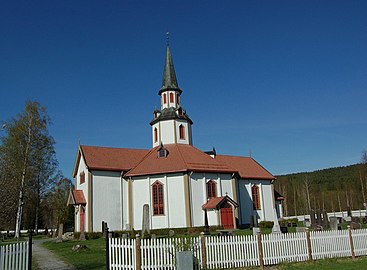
{"x": 112, "y": 147}
{"x": 144, "y": 158}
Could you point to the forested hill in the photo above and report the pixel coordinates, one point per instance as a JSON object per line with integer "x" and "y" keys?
{"x": 332, "y": 189}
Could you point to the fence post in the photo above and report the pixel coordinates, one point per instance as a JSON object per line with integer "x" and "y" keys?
{"x": 260, "y": 248}
{"x": 138, "y": 253}
{"x": 351, "y": 242}
{"x": 203, "y": 251}
{"x": 309, "y": 249}
{"x": 107, "y": 248}
{"x": 30, "y": 232}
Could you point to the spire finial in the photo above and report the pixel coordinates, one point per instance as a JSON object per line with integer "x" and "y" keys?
{"x": 167, "y": 38}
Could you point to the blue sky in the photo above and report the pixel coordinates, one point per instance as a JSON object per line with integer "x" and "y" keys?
{"x": 283, "y": 80}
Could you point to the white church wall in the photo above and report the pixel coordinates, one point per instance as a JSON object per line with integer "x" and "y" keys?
{"x": 226, "y": 185}
{"x": 106, "y": 189}
{"x": 125, "y": 206}
{"x": 267, "y": 201}
{"x": 84, "y": 187}
{"x": 167, "y": 136}
{"x": 198, "y": 198}
{"x": 176, "y": 201}
{"x": 140, "y": 196}
{"x": 245, "y": 201}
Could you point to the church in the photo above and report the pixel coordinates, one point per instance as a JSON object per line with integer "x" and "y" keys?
{"x": 179, "y": 184}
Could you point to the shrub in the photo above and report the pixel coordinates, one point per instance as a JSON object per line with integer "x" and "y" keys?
{"x": 266, "y": 224}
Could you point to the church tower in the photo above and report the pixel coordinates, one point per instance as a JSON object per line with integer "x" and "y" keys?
{"x": 170, "y": 124}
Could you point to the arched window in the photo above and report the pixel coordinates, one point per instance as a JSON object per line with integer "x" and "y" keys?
{"x": 182, "y": 132}
{"x": 81, "y": 177}
{"x": 171, "y": 97}
{"x": 158, "y": 200}
{"x": 211, "y": 189}
{"x": 256, "y": 197}
{"x": 155, "y": 134}
{"x": 164, "y": 98}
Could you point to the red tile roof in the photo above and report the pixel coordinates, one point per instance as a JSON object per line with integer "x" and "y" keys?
{"x": 112, "y": 159}
{"x": 76, "y": 197}
{"x": 247, "y": 167}
{"x": 180, "y": 158}
{"x": 215, "y": 203}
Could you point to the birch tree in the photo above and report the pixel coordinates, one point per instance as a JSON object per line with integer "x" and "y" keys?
{"x": 22, "y": 152}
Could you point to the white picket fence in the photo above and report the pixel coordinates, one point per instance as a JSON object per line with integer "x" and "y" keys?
{"x": 236, "y": 251}
{"x": 14, "y": 256}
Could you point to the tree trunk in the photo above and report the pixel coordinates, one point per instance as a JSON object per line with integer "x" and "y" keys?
{"x": 21, "y": 191}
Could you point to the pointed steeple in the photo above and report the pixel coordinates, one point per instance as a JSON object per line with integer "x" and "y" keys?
{"x": 169, "y": 81}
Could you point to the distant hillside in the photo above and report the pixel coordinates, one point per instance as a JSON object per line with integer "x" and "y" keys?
{"x": 332, "y": 189}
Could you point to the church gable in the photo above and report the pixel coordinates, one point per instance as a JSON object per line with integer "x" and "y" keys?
{"x": 111, "y": 159}
{"x": 179, "y": 158}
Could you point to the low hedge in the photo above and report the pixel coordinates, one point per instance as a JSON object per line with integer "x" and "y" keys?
{"x": 266, "y": 224}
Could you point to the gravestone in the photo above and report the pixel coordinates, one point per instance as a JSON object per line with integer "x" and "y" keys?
{"x": 256, "y": 231}
{"x": 276, "y": 226}
{"x": 171, "y": 233}
{"x": 355, "y": 225}
{"x": 333, "y": 223}
{"x": 184, "y": 260}
{"x": 348, "y": 219}
{"x": 313, "y": 218}
{"x": 307, "y": 223}
{"x": 145, "y": 226}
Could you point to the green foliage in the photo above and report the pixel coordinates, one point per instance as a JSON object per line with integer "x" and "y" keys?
{"x": 28, "y": 167}
{"x": 266, "y": 224}
{"x": 289, "y": 222}
{"x": 333, "y": 189}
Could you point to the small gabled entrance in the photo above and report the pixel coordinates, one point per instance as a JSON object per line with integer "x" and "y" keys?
{"x": 225, "y": 205}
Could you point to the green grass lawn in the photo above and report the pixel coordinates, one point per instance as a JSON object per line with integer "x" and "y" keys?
{"x": 92, "y": 258}
{"x": 328, "y": 264}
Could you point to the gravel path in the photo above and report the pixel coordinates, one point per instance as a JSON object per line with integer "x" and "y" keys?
{"x": 46, "y": 260}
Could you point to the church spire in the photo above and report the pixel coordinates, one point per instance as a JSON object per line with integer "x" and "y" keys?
{"x": 169, "y": 81}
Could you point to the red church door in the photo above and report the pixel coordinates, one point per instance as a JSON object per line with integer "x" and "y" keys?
{"x": 82, "y": 219}
{"x": 226, "y": 216}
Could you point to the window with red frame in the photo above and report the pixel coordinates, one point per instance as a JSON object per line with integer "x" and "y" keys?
{"x": 155, "y": 134}
{"x": 211, "y": 189}
{"x": 158, "y": 200}
{"x": 182, "y": 132}
{"x": 171, "y": 97}
{"x": 81, "y": 177}
{"x": 164, "y": 98}
{"x": 256, "y": 197}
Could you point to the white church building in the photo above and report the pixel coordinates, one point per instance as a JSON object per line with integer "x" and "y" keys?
{"x": 177, "y": 181}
